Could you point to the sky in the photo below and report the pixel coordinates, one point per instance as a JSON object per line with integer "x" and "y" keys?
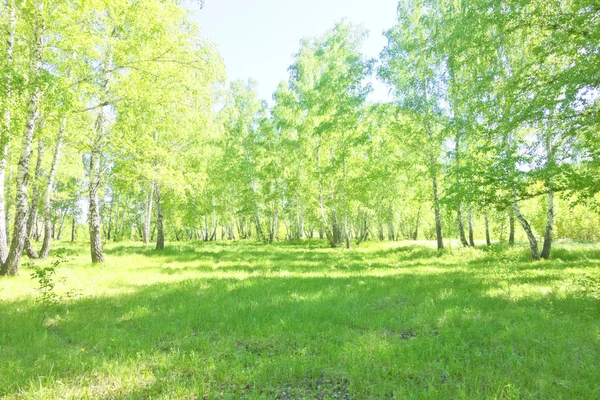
{"x": 258, "y": 38}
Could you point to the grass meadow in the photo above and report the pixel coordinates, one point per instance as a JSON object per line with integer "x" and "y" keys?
{"x": 228, "y": 320}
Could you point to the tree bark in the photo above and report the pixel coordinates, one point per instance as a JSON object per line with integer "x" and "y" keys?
{"x": 95, "y": 177}
{"x": 550, "y": 210}
{"x": 549, "y": 225}
{"x": 470, "y": 220}
{"x": 33, "y": 206}
{"x": 511, "y": 232}
{"x": 434, "y": 184}
{"x": 487, "y": 230}
{"x": 533, "y": 244}
{"x": 73, "y": 220}
{"x": 148, "y": 213}
{"x": 416, "y": 231}
{"x": 49, "y": 188}
{"x": 60, "y": 227}
{"x": 160, "y": 236}
{"x": 438, "y": 218}
{"x": 11, "y": 265}
{"x": 461, "y": 227}
{"x": 6, "y": 128}
{"x": 325, "y": 225}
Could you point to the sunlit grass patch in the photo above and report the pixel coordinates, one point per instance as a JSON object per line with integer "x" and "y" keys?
{"x": 245, "y": 320}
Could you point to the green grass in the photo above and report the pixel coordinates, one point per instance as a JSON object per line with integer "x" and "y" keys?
{"x": 246, "y": 320}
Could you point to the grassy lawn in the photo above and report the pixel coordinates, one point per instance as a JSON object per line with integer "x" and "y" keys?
{"x": 246, "y": 320}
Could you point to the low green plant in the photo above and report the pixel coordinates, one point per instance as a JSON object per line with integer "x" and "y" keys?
{"x": 46, "y": 279}
{"x": 588, "y": 286}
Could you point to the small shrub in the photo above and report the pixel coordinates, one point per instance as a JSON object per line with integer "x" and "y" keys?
{"x": 46, "y": 279}
{"x": 588, "y": 285}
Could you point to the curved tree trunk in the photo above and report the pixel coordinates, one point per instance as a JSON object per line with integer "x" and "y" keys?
{"x": 11, "y": 265}
{"x": 6, "y": 128}
{"x": 533, "y": 244}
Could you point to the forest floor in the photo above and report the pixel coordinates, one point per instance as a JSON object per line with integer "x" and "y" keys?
{"x": 289, "y": 321}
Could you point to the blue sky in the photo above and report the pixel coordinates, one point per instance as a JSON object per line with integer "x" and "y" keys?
{"x": 258, "y": 38}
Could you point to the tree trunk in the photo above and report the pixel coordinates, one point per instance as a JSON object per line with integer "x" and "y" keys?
{"x": 325, "y": 226}
{"x": 434, "y": 184}
{"x": 54, "y": 218}
{"x": 49, "y": 188}
{"x": 73, "y": 220}
{"x": 95, "y": 177}
{"x": 438, "y": 218}
{"x": 160, "y": 236}
{"x": 60, "y": 227}
{"x": 37, "y": 233}
{"x": 33, "y": 206}
{"x": 416, "y": 231}
{"x": 511, "y": 232}
{"x": 549, "y": 224}
{"x": 470, "y": 218}
{"x": 324, "y": 223}
{"x": 391, "y": 230}
{"x": 533, "y": 245}
{"x": 550, "y": 210}
{"x": 148, "y": 213}
{"x": 487, "y": 230}
{"x": 11, "y": 265}
{"x": 461, "y": 227}
{"x": 6, "y": 128}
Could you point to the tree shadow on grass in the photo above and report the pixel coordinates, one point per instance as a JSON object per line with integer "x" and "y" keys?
{"x": 288, "y": 337}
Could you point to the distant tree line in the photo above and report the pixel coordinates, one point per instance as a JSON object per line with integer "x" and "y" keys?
{"x": 494, "y": 125}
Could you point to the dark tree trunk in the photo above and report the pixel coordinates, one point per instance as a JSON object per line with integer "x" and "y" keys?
{"x": 438, "y": 218}
{"x": 487, "y": 230}
{"x": 73, "y": 221}
{"x": 471, "y": 236}
{"x": 511, "y": 232}
{"x": 416, "y": 231}
{"x": 461, "y": 227}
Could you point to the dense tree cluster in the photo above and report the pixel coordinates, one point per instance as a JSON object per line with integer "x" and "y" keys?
{"x": 105, "y": 105}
